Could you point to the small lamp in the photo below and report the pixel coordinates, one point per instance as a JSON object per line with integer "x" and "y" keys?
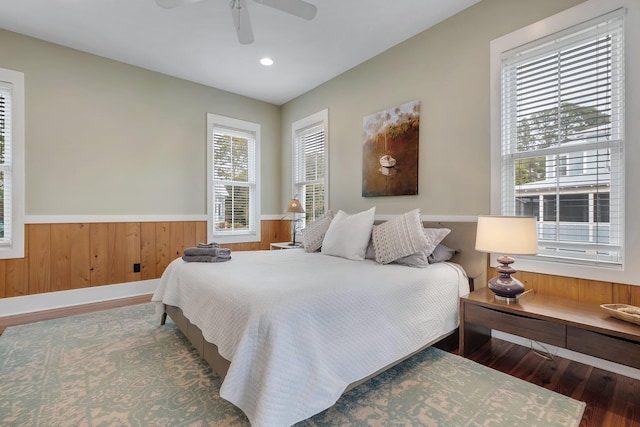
{"x": 514, "y": 235}
{"x": 294, "y": 207}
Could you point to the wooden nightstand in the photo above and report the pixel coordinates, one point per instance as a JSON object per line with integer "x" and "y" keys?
{"x": 582, "y": 327}
{"x": 284, "y": 245}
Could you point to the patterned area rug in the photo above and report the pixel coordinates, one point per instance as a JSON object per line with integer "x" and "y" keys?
{"x": 120, "y": 368}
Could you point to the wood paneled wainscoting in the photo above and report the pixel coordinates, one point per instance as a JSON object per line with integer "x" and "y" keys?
{"x": 583, "y": 290}
{"x": 79, "y": 255}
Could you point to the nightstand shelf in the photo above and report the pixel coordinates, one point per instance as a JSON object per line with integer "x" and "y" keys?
{"x": 582, "y": 327}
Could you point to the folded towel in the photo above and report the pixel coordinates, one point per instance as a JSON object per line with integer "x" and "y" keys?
{"x": 209, "y": 245}
{"x": 201, "y": 251}
{"x": 224, "y": 253}
{"x": 217, "y": 252}
{"x": 204, "y": 258}
{"x": 198, "y": 258}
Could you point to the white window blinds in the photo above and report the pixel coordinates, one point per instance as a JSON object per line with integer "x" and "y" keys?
{"x": 234, "y": 181}
{"x": 310, "y": 168}
{"x": 5, "y": 164}
{"x": 562, "y": 140}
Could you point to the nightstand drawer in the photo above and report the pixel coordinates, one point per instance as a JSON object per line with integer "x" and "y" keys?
{"x": 603, "y": 346}
{"x": 538, "y": 330}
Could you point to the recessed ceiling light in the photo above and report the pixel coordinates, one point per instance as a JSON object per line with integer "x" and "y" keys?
{"x": 266, "y": 61}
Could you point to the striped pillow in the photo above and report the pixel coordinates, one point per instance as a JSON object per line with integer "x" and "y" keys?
{"x": 399, "y": 237}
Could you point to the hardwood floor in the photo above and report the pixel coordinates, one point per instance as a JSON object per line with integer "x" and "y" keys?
{"x": 612, "y": 400}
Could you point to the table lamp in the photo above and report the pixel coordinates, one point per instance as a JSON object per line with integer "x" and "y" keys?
{"x": 294, "y": 207}
{"x": 512, "y": 235}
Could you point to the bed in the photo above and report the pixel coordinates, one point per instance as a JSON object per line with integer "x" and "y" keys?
{"x": 290, "y": 331}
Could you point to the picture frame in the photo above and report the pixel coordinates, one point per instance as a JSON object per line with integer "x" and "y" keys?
{"x": 390, "y": 151}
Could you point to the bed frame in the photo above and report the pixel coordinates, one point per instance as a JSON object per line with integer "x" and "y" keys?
{"x": 220, "y": 365}
{"x": 462, "y": 237}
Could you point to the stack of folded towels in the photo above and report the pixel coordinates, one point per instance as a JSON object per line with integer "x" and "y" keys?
{"x": 209, "y": 252}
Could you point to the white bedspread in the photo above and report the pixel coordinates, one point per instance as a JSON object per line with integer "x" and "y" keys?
{"x": 299, "y": 327}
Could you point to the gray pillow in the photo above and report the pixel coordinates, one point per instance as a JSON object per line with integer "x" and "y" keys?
{"x": 371, "y": 252}
{"x": 442, "y": 253}
{"x": 420, "y": 259}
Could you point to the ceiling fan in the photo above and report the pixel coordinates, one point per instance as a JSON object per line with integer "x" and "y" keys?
{"x": 240, "y": 12}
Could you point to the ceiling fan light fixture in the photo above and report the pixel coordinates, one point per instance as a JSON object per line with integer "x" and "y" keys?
{"x": 240, "y": 12}
{"x": 241, "y": 21}
{"x": 266, "y": 61}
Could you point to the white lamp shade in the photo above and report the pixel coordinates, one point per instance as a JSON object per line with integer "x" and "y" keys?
{"x": 507, "y": 235}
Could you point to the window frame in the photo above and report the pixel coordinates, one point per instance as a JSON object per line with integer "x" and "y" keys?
{"x": 555, "y": 24}
{"x": 557, "y": 82}
{"x": 319, "y": 118}
{"x": 214, "y": 122}
{"x": 14, "y": 248}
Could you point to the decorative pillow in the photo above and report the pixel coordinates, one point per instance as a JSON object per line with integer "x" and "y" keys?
{"x": 371, "y": 252}
{"x": 420, "y": 259}
{"x": 399, "y": 237}
{"x": 434, "y": 237}
{"x": 348, "y": 235}
{"x": 442, "y": 253}
{"x": 313, "y": 234}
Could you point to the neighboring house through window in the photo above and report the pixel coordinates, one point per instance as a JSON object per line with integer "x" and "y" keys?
{"x": 232, "y": 187}
{"x": 562, "y": 156}
{"x": 310, "y": 164}
{"x": 11, "y": 164}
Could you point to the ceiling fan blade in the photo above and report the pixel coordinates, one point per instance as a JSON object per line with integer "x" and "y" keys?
{"x": 170, "y": 4}
{"x": 241, "y": 21}
{"x": 298, "y": 8}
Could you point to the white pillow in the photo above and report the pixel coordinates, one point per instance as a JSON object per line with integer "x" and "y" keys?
{"x": 313, "y": 234}
{"x": 348, "y": 235}
{"x": 399, "y": 237}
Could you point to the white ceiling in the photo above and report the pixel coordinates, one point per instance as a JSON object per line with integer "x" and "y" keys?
{"x": 197, "y": 41}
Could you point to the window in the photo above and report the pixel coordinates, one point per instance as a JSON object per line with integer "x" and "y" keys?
{"x": 310, "y": 176}
{"x": 562, "y": 141}
{"x": 233, "y": 190}
{"x": 11, "y": 164}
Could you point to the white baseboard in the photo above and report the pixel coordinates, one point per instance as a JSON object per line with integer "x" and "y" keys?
{"x": 617, "y": 368}
{"x": 60, "y": 299}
